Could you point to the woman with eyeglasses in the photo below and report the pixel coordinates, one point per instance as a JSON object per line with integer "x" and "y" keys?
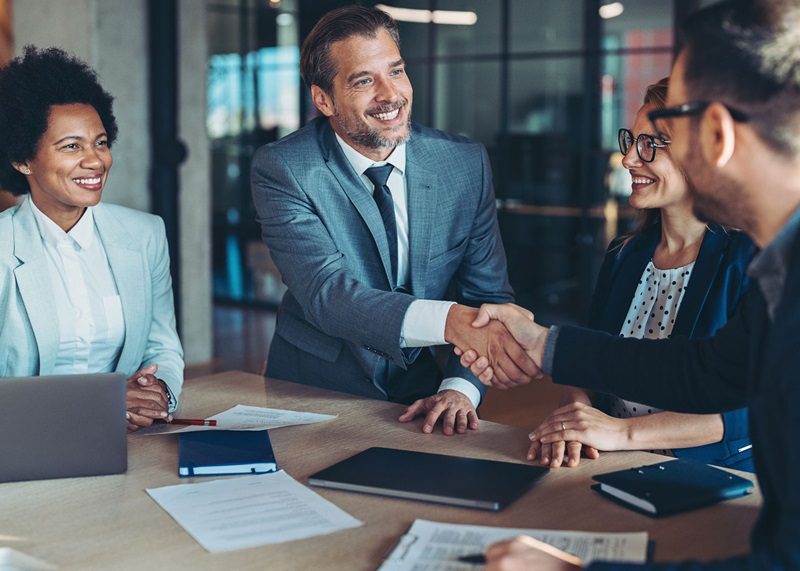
{"x": 673, "y": 276}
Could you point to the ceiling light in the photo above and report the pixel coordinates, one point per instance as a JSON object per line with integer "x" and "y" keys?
{"x": 454, "y": 18}
{"x": 451, "y": 17}
{"x": 611, "y": 10}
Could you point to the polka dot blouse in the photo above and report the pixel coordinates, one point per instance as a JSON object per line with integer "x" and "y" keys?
{"x": 652, "y": 315}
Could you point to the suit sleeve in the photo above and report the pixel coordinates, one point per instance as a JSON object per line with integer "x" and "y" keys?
{"x": 482, "y": 276}
{"x": 315, "y": 270}
{"x": 683, "y": 375}
{"x": 163, "y": 345}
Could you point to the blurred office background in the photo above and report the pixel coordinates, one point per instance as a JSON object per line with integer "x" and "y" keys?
{"x": 200, "y": 84}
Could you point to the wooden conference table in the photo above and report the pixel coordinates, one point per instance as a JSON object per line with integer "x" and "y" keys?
{"x": 109, "y": 522}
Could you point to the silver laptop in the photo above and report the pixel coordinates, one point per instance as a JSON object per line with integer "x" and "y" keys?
{"x": 62, "y": 426}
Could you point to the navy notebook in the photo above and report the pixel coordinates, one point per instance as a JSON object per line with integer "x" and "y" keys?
{"x": 224, "y": 452}
{"x": 465, "y": 482}
{"x": 671, "y": 487}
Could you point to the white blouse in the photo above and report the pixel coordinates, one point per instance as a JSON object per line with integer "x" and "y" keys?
{"x": 651, "y": 315}
{"x": 88, "y": 310}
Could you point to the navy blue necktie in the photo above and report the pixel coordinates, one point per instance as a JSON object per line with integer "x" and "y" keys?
{"x": 383, "y": 198}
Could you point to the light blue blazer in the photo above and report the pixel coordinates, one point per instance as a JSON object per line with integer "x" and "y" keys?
{"x": 136, "y": 246}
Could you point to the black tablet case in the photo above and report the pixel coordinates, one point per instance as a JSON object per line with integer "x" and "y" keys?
{"x": 453, "y": 480}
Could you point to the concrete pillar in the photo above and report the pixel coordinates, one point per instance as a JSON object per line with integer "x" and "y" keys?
{"x": 195, "y": 177}
{"x": 111, "y": 36}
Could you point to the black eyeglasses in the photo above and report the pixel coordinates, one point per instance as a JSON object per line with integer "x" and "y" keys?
{"x": 690, "y": 108}
{"x": 646, "y": 145}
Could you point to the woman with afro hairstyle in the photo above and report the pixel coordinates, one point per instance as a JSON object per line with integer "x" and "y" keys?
{"x": 84, "y": 286}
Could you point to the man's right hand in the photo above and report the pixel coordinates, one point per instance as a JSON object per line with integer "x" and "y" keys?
{"x": 519, "y": 322}
{"x": 510, "y": 364}
{"x": 525, "y": 553}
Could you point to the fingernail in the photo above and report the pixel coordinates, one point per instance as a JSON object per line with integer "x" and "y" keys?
{"x": 426, "y": 428}
{"x": 162, "y": 414}
{"x": 545, "y": 460}
{"x": 127, "y": 415}
{"x": 169, "y": 418}
{"x": 142, "y": 380}
{"x": 532, "y": 436}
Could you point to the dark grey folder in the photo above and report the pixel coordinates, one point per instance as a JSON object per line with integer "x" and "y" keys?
{"x": 62, "y": 426}
{"x": 453, "y": 480}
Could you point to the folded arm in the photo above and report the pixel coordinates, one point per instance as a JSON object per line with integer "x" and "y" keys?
{"x": 589, "y": 426}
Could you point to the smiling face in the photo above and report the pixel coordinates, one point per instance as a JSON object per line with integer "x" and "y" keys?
{"x": 716, "y": 196}
{"x": 369, "y": 105}
{"x": 71, "y": 164}
{"x": 657, "y": 184}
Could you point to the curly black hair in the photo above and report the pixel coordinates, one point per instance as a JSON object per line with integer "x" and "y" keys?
{"x": 29, "y": 86}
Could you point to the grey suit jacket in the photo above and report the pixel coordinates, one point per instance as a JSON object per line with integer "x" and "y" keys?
{"x": 136, "y": 246}
{"x": 339, "y": 323}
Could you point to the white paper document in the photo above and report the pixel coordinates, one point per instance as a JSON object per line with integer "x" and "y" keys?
{"x": 430, "y": 546}
{"x": 236, "y": 513}
{"x": 244, "y": 417}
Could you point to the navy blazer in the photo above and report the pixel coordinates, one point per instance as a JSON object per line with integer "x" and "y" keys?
{"x": 753, "y": 360}
{"x": 717, "y": 283}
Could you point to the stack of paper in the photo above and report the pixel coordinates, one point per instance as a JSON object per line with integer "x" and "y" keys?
{"x": 243, "y": 417}
{"x": 430, "y": 545}
{"x": 235, "y": 513}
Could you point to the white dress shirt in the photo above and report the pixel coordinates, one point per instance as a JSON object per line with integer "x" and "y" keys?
{"x": 89, "y": 316}
{"x": 425, "y": 319}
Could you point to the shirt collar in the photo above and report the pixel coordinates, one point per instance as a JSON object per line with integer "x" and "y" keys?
{"x": 81, "y": 234}
{"x": 360, "y": 163}
{"x": 770, "y": 266}
{"x": 775, "y": 255}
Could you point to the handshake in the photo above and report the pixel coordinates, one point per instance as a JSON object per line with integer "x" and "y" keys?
{"x": 501, "y": 344}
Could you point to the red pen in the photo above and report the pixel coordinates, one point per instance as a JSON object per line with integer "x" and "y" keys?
{"x": 194, "y": 421}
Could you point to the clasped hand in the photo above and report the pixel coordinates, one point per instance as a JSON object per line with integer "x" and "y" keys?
{"x": 501, "y": 344}
{"x": 146, "y": 399}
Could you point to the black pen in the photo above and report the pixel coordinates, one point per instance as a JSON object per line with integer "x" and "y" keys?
{"x": 475, "y": 559}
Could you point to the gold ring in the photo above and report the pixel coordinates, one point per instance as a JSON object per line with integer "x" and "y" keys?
{"x": 563, "y": 428}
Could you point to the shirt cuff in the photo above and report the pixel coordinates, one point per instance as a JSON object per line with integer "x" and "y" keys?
{"x": 463, "y": 386}
{"x": 550, "y": 351}
{"x": 424, "y": 323}
{"x": 172, "y": 402}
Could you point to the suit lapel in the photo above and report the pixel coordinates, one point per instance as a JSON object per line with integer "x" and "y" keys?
{"x": 705, "y": 270}
{"x": 129, "y": 273}
{"x": 353, "y": 187}
{"x": 421, "y": 180}
{"x": 629, "y": 267}
{"x": 34, "y": 287}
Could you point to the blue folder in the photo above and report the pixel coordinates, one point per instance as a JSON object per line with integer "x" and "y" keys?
{"x": 671, "y": 487}
{"x": 225, "y": 452}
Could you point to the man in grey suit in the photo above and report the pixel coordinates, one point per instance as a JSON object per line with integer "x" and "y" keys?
{"x": 373, "y": 221}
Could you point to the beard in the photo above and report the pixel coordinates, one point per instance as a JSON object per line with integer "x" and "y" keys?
{"x": 370, "y": 138}
{"x": 717, "y": 198}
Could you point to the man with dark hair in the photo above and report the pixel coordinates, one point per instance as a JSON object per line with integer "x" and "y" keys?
{"x": 373, "y": 221}
{"x": 734, "y": 112}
